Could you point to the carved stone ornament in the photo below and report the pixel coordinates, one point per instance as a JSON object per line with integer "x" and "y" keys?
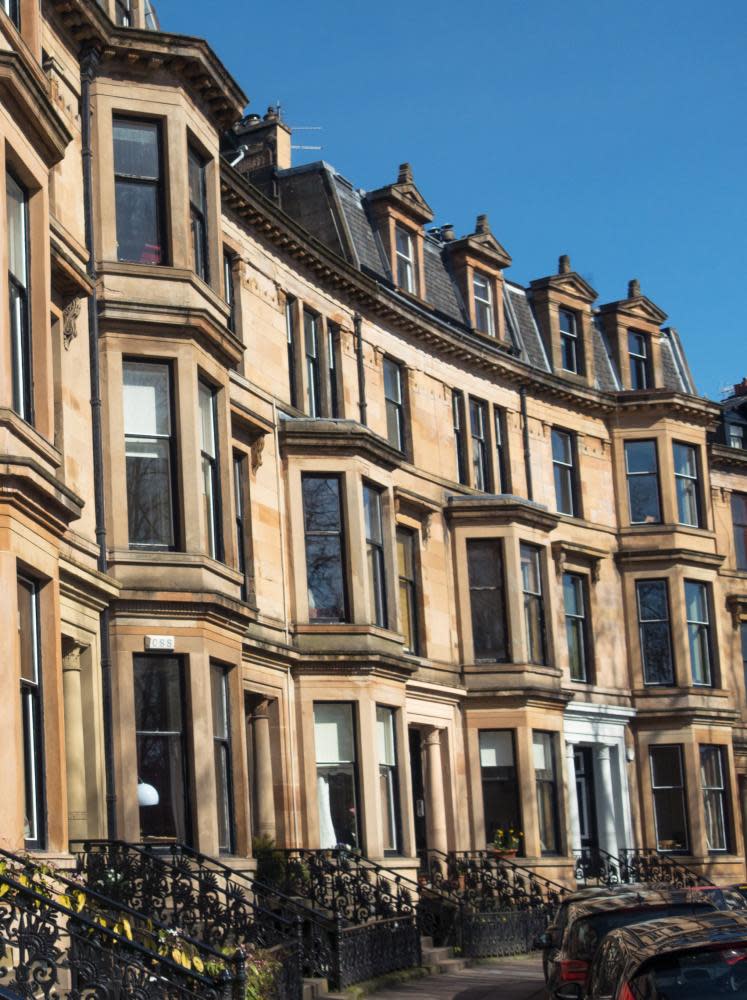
{"x": 258, "y": 445}
{"x": 70, "y": 317}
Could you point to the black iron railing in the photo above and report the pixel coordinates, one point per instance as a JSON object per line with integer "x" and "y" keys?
{"x": 207, "y": 902}
{"x": 644, "y": 865}
{"x": 54, "y": 951}
{"x": 488, "y": 881}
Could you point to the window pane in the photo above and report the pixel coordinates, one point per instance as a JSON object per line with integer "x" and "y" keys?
{"x": 219, "y": 690}
{"x": 136, "y": 148}
{"x": 336, "y": 776}
{"x": 392, "y": 381}
{"x": 696, "y": 602}
{"x": 28, "y": 630}
{"x": 146, "y": 399}
{"x": 640, "y": 456}
{"x": 576, "y": 625}
{"x": 643, "y": 485}
{"x": 669, "y": 798}
{"x": 17, "y": 230}
{"x": 544, "y": 772}
{"x": 656, "y": 646}
{"x": 713, "y": 786}
{"x": 138, "y": 223}
{"x": 325, "y": 579}
{"x": 149, "y": 511}
{"x": 372, "y": 514}
{"x": 739, "y": 518}
{"x": 485, "y": 568}
{"x": 321, "y": 503}
{"x": 499, "y": 782}
{"x": 207, "y": 420}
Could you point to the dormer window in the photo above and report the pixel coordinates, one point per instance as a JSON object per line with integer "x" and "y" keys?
{"x": 639, "y": 360}
{"x": 482, "y": 288}
{"x": 736, "y": 436}
{"x": 570, "y": 347}
{"x": 405, "y": 251}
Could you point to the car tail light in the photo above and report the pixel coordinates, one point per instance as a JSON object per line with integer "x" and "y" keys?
{"x": 573, "y": 970}
{"x": 627, "y": 993}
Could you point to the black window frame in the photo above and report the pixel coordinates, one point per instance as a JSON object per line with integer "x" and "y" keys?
{"x": 479, "y": 431}
{"x": 223, "y": 744}
{"x": 579, "y": 622}
{"x": 32, "y": 719}
{"x": 512, "y": 793}
{"x": 643, "y": 622}
{"x": 375, "y": 556}
{"x": 173, "y": 470}
{"x": 20, "y": 312}
{"x": 503, "y": 464}
{"x": 229, "y": 287}
{"x": 739, "y": 527}
{"x": 242, "y": 501}
{"x": 497, "y": 547}
{"x": 312, "y": 361}
{"x": 210, "y": 465}
{"x": 410, "y": 585}
{"x": 534, "y": 604}
{"x": 198, "y": 213}
{"x": 460, "y": 444}
{"x": 291, "y": 324}
{"x": 571, "y": 342}
{"x": 391, "y": 773}
{"x": 339, "y": 533}
{"x": 682, "y": 787}
{"x": 158, "y": 182}
{"x": 395, "y": 408}
{"x": 639, "y": 362}
{"x": 631, "y": 477}
{"x": 722, "y": 792}
{"x": 14, "y": 12}
{"x": 681, "y": 479}
{"x": 699, "y": 627}
{"x": 332, "y": 369}
{"x": 554, "y": 796}
{"x": 567, "y": 470}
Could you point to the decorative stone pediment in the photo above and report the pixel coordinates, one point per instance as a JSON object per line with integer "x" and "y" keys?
{"x": 405, "y": 195}
{"x": 567, "y": 282}
{"x": 637, "y": 307}
{"x": 483, "y": 245}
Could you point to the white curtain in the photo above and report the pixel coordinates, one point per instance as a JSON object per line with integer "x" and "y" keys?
{"x": 327, "y": 835}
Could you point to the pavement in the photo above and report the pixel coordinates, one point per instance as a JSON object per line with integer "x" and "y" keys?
{"x": 500, "y": 979}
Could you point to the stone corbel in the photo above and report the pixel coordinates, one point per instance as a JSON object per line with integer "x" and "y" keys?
{"x": 70, "y": 316}
{"x": 419, "y": 507}
{"x": 737, "y": 605}
{"x": 256, "y": 449}
{"x": 578, "y": 553}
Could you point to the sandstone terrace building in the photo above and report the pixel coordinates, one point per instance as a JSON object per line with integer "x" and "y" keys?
{"x": 437, "y": 553}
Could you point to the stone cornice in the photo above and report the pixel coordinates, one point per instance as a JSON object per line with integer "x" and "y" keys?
{"x": 690, "y": 557}
{"x": 27, "y": 100}
{"x": 133, "y": 50}
{"x": 28, "y": 486}
{"x": 500, "y": 510}
{"x": 722, "y": 456}
{"x": 215, "y": 608}
{"x": 697, "y": 409}
{"x": 337, "y": 437}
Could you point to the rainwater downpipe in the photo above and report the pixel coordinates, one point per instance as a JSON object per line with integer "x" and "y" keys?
{"x": 362, "y": 405}
{"x": 89, "y": 64}
{"x": 527, "y": 451}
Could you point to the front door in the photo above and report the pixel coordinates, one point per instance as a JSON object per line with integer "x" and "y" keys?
{"x": 418, "y": 797}
{"x": 587, "y": 813}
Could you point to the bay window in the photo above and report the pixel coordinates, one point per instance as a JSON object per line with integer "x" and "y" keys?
{"x": 388, "y": 779}
{"x": 668, "y": 787}
{"x": 19, "y": 253}
{"x": 534, "y": 615}
{"x": 323, "y": 530}
{"x": 138, "y": 191}
{"x": 311, "y": 344}
{"x": 336, "y": 775}
{"x": 487, "y": 599}
{"x": 500, "y": 786}
{"x": 686, "y": 483}
{"x": 713, "y": 786}
{"x": 697, "y": 603}
{"x": 565, "y": 472}
{"x": 482, "y": 290}
{"x": 408, "y": 608}
{"x": 222, "y": 756}
{"x": 739, "y": 522}
{"x": 655, "y": 632}
{"x": 29, "y": 636}
{"x": 211, "y": 501}
{"x": 545, "y": 776}
{"x": 478, "y": 419}
{"x": 198, "y": 213}
{"x": 161, "y": 747}
{"x": 642, "y": 471}
{"x": 375, "y": 555}
{"x": 577, "y": 626}
{"x": 149, "y": 446}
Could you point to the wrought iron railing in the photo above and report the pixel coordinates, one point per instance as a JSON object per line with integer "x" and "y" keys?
{"x": 204, "y": 901}
{"x": 53, "y": 951}
{"x": 487, "y": 881}
{"x": 645, "y": 865}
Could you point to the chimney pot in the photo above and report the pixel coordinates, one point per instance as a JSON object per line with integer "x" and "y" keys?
{"x": 483, "y": 226}
{"x": 634, "y": 288}
{"x": 405, "y": 174}
{"x": 447, "y": 233}
{"x": 564, "y": 264}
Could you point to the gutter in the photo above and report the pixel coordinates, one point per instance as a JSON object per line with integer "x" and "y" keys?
{"x": 362, "y": 404}
{"x": 89, "y": 64}
{"x": 527, "y": 449}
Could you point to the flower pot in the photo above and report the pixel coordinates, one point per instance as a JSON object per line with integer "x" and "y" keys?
{"x": 504, "y": 852}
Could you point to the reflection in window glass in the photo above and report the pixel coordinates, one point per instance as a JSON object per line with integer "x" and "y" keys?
{"x": 457, "y": 416}
{"x": 478, "y": 420}
{"x": 564, "y": 469}
{"x": 699, "y": 631}
{"x": 547, "y": 792}
{"x": 686, "y": 482}
{"x": 210, "y": 481}
{"x": 337, "y": 777}
{"x": 408, "y": 589}
{"x": 570, "y": 348}
{"x": 138, "y": 191}
{"x": 388, "y": 778}
{"x": 29, "y": 638}
{"x": 668, "y": 784}
{"x": 375, "y": 555}
{"x": 482, "y": 288}
{"x": 161, "y": 758}
{"x": 739, "y": 520}
{"x": 405, "y": 260}
{"x": 534, "y": 617}
{"x": 576, "y": 625}
{"x": 639, "y": 361}
{"x": 311, "y": 345}
{"x": 500, "y": 790}
{"x": 222, "y": 754}
{"x": 642, "y": 472}
{"x": 198, "y": 214}
{"x": 654, "y": 629}
{"x": 714, "y": 796}
{"x": 17, "y": 203}
{"x": 487, "y": 600}
{"x": 395, "y": 417}
{"x": 324, "y": 548}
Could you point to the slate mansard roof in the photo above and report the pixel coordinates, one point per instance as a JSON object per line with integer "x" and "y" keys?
{"x": 328, "y": 205}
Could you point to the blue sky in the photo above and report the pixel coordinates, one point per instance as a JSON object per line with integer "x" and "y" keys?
{"x": 611, "y": 131}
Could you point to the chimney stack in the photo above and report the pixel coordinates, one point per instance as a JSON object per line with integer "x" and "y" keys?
{"x": 634, "y": 288}
{"x": 564, "y": 264}
{"x": 483, "y": 226}
{"x": 268, "y": 145}
{"x": 405, "y": 174}
{"x": 740, "y": 389}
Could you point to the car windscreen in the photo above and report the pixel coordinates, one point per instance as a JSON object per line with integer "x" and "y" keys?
{"x": 700, "y": 974}
{"x": 587, "y": 932}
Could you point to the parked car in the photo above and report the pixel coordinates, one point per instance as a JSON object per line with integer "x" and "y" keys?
{"x": 724, "y": 897}
{"x": 589, "y": 921}
{"x": 549, "y": 941}
{"x": 702, "y": 957}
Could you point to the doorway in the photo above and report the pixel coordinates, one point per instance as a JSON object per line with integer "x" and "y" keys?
{"x": 418, "y": 797}
{"x": 587, "y": 811}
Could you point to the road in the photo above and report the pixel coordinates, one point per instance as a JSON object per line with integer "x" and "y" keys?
{"x": 507, "y": 979}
